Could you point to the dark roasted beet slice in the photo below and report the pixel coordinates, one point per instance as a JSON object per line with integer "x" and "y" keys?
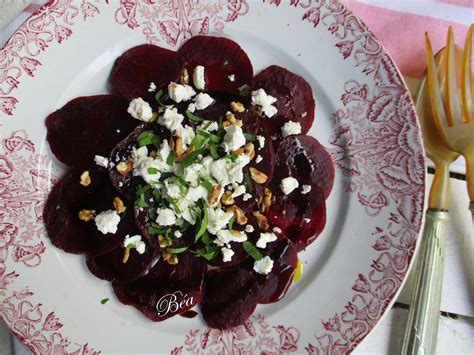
{"x": 66, "y": 231}
{"x": 139, "y": 66}
{"x": 230, "y": 297}
{"x": 127, "y": 184}
{"x": 274, "y": 286}
{"x": 88, "y": 126}
{"x": 304, "y": 158}
{"x": 111, "y": 267}
{"x": 301, "y": 217}
{"x": 295, "y": 101}
{"x": 166, "y": 290}
{"x": 220, "y": 57}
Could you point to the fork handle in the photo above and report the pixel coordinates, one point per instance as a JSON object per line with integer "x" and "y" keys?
{"x": 422, "y": 327}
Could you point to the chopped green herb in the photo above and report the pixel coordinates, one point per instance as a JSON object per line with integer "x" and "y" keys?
{"x": 231, "y": 156}
{"x": 213, "y": 150}
{"x": 153, "y": 231}
{"x": 147, "y": 138}
{"x": 230, "y": 224}
{"x": 203, "y": 226}
{"x": 183, "y": 185}
{"x": 244, "y": 90}
{"x": 206, "y": 239}
{"x": 171, "y": 158}
{"x": 190, "y": 158}
{"x": 226, "y": 62}
{"x": 158, "y": 96}
{"x": 176, "y": 250}
{"x": 250, "y": 137}
{"x": 152, "y": 214}
{"x": 152, "y": 171}
{"x": 174, "y": 203}
{"x": 157, "y": 195}
{"x": 200, "y": 140}
{"x": 104, "y": 301}
{"x": 209, "y": 252}
{"x": 193, "y": 117}
{"x": 252, "y": 250}
{"x": 142, "y": 189}
{"x": 140, "y": 202}
{"x": 207, "y": 185}
{"x": 215, "y": 138}
{"x": 248, "y": 182}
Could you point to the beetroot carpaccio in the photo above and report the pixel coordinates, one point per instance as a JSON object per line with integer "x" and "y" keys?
{"x": 194, "y": 183}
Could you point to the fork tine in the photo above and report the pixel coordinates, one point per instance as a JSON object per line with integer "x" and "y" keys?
{"x": 466, "y": 87}
{"x": 434, "y": 88}
{"x": 453, "y": 103}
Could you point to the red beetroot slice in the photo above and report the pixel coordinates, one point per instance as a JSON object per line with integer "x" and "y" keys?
{"x": 304, "y": 158}
{"x": 230, "y": 297}
{"x": 88, "y": 126}
{"x": 127, "y": 184}
{"x": 110, "y": 266}
{"x": 273, "y": 287}
{"x": 67, "y": 232}
{"x": 301, "y": 217}
{"x": 295, "y": 101}
{"x": 139, "y": 66}
{"x": 166, "y": 290}
{"x": 220, "y": 57}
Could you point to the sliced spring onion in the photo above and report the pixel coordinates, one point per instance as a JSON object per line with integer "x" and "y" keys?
{"x": 230, "y": 224}
{"x": 203, "y": 226}
{"x": 248, "y": 182}
{"x": 244, "y": 90}
{"x": 252, "y": 250}
{"x": 209, "y": 252}
{"x": 148, "y": 138}
{"x": 176, "y": 250}
{"x": 171, "y": 158}
{"x": 193, "y": 117}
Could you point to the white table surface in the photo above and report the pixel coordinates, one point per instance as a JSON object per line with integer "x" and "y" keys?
{"x": 456, "y": 328}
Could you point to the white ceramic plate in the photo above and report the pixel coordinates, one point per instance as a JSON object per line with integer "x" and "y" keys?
{"x": 364, "y": 116}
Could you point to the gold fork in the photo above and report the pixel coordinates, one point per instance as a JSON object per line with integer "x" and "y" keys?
{"x": 454, "y": 121}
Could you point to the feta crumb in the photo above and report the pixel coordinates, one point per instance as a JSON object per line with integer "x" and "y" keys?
{"x": 234, "y": 138}
{"x": 225, "y": 236}
{"x": 290, "y": 128}
{"x": 178, "y": 92}
{"x": 178, "y": 234}
{"x": 101, "y": 161}
{"x": 276, "y": 230}
{"x": 134, "y": 242}
{"x": 117, "y": 130}
{"x": 202, "y": 101}
{"x": 264, "y": 239}
{"x": 227, "y": 254}
{"x": 140, "y": 110}
{"x": 247, "y": 197}
{"x": 107, "y": 221}
{"x": 239, "y": 190}
{"x": 120, "y": 184}
{"x": 198, "y": 77}
{"x": 231, "y": 77}
{"x": 288, "y": 184}
{"x": 217, "y": 219}
{"x": 249, "y": 228}
{"x": 152, "y": 87}
{"x": 263, "y": 266}
{"x": 194, "y": 194}
{"x": 212, "y": 126}
{"x": 165, "y": 217}
{"x": 261, "y": 141}
{"x": 149, "y": 170}
{"x": 306, "y": 220}
{"x": 171, "y": 119}
{"x": 187, "y": 135}
{"x": 305, "y": 189}
{"x": 260, "y": 97}
{"x": 258, "y": 159}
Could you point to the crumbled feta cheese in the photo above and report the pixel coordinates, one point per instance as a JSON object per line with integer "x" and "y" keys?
{"x": 217, "y": 219}
{"x": 225, "y": 172}
{"x": 234, "y": 138}
{"x": 276, "y": 230}
{"x": 172, "y": 188}
{"x": 225, "y": 236}
{"x": 178, "y": 234}
{"x": 231, "y": 77}
{"x": 152, "y": 87}
{"x": 261, "y": 141}
{"x": 260, "y": 97}
{"x": 198, "y": 77}
{"x": 171, "y": 119}
{"x": 178, "y": 92}
{"x": 149, "y": 170}
{"x": 227, "y": 254}
{"x": 194, "y": 194}
{"x": 107, "y": 221}
{"x": 263, "y": 266}
{"x": 101, "y": 161}
{"x": 288, "y": 184}
{"x": 192, "y": 107}
{"x": 191, "y": 173}
{"x": 117, "y": 130}
{"x": 290, "y": 128}
{"x": 134, "y": 242}
{"x": 249, "y": 228}
{"x": 258, "y": 159}
{"x": 165, "y": 217}
{"x": 306, "y": 220}
{"x": 139, "y": 154}
{"x": 239, "y": 190}
{"x": 187, "y": 135}
{"x": 264, "y": 239}
{"x": 211, "y": 126}
{"x": 140, "y": 110}
{"x": 246, "y": 197}
{"x": 305, "y": 189}
{"x": 202, "y": 101}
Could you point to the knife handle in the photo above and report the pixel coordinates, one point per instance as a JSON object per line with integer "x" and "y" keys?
{"x": 422, "y": 326}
